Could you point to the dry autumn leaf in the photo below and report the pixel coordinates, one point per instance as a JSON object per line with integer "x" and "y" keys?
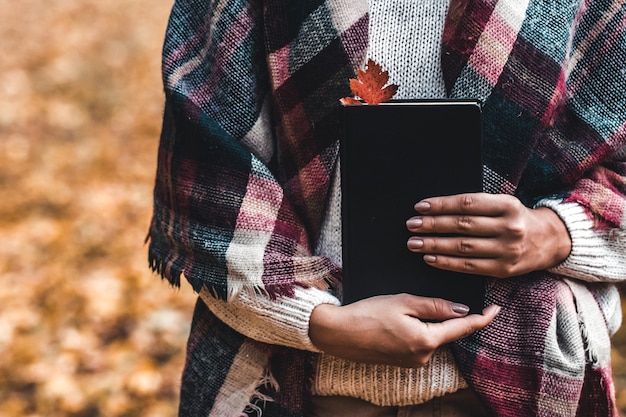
{"x": 371, "y": 85}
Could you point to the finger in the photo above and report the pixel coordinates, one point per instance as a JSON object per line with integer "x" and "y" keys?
{"x": 456, "y": 246}
{"x": 458, "y": 225}
{"x": 492, "y": 267}
{"x": 455, "y": 329}
{"x": 426, "y": 308}
{"x": 470, "y": 203}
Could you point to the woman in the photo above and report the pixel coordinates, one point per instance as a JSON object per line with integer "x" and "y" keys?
{"x": 247, "y": 207}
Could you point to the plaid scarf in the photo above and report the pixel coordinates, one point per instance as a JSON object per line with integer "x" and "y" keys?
{"x": 248, "y": 148}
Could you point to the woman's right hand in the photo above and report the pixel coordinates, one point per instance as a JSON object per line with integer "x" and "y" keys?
{"x": 390, "y": 330}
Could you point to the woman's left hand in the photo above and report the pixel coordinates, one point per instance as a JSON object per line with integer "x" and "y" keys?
{"x": 488, "y": 234}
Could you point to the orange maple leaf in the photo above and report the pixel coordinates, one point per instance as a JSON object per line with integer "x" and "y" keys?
{"x": 370, "y": 85}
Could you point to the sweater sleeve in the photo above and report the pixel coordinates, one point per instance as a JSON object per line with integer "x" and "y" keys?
{"x": 598, "y": 255}
{"x": 281, "y": 321}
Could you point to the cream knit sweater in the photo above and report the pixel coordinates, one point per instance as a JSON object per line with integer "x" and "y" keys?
{"x": 412, "y": 58}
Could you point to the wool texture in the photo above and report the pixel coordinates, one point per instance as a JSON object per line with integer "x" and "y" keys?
{"x": 419, "y": 53}
{"x": 250, "y": 142}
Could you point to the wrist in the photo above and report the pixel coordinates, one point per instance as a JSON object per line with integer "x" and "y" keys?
{"x": 322, "y": 323}
{"x": 555, "y": 238}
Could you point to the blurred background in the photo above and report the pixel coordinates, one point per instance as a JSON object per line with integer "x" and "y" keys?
{"x": 85, "y": 329}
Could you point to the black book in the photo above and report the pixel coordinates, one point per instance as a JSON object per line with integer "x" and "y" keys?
{"x": 393, "y": 155}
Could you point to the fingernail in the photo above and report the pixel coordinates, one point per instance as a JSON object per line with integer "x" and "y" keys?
{"x": 422, "y": 206}
{"x": 460, "y": 308}
{"x": 415, "y": 243}
{"x": 414, "y": 223}
{"x": 430, "y": 258}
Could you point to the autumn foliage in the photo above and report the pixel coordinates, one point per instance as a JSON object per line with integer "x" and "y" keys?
{"x": 86, "y": 330}
{"x": 371, "y": 85}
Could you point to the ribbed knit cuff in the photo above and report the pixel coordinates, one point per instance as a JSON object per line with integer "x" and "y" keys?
{"x": 385, "y": 385}
{"x": 597, "y": 255}
{"x": 282, "y": 321}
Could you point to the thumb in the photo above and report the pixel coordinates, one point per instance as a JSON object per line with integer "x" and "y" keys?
{"x": 451, "y": 330}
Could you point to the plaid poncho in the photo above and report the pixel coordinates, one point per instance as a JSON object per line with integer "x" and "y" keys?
{"x": 250, "y": 141}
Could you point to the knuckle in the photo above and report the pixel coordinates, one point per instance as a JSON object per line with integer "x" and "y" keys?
{"x": 464, "y": 223}
{"x": 507, "y": 270}
{"x": 438, "y": 204}
{"x": 421, "y": 361}
{"x": 469, "y": 266}
{"x": 439, "y": 306}
{"x": 516, "y": 229}
{"x": 430, "y": 346}
{"x": 512, "y": 203}
{"x": 510, "y": 270}
{"x": 404, "y": 298}
{"x": 467, "y": 200}
{"x": 424, "y": 346}
{"x": 516, "y": 253}
{"x": 431, "y": 245}
{"x": 464, "y": 246}
{"x": 469, "y": 330}
{"x": 430, "y": 222}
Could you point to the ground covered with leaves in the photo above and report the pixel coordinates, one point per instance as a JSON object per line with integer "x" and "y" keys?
{"x": 85, "y": 328}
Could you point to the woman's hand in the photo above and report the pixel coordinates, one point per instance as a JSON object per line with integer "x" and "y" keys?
{"x": 389, "y": 329}
{"x": 492, "y": 235}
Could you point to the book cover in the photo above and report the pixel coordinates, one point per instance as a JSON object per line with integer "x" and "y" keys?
{"x": 393, "y": 155}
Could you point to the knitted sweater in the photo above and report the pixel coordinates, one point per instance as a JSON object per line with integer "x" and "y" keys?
{"x": 239, "y": 213}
